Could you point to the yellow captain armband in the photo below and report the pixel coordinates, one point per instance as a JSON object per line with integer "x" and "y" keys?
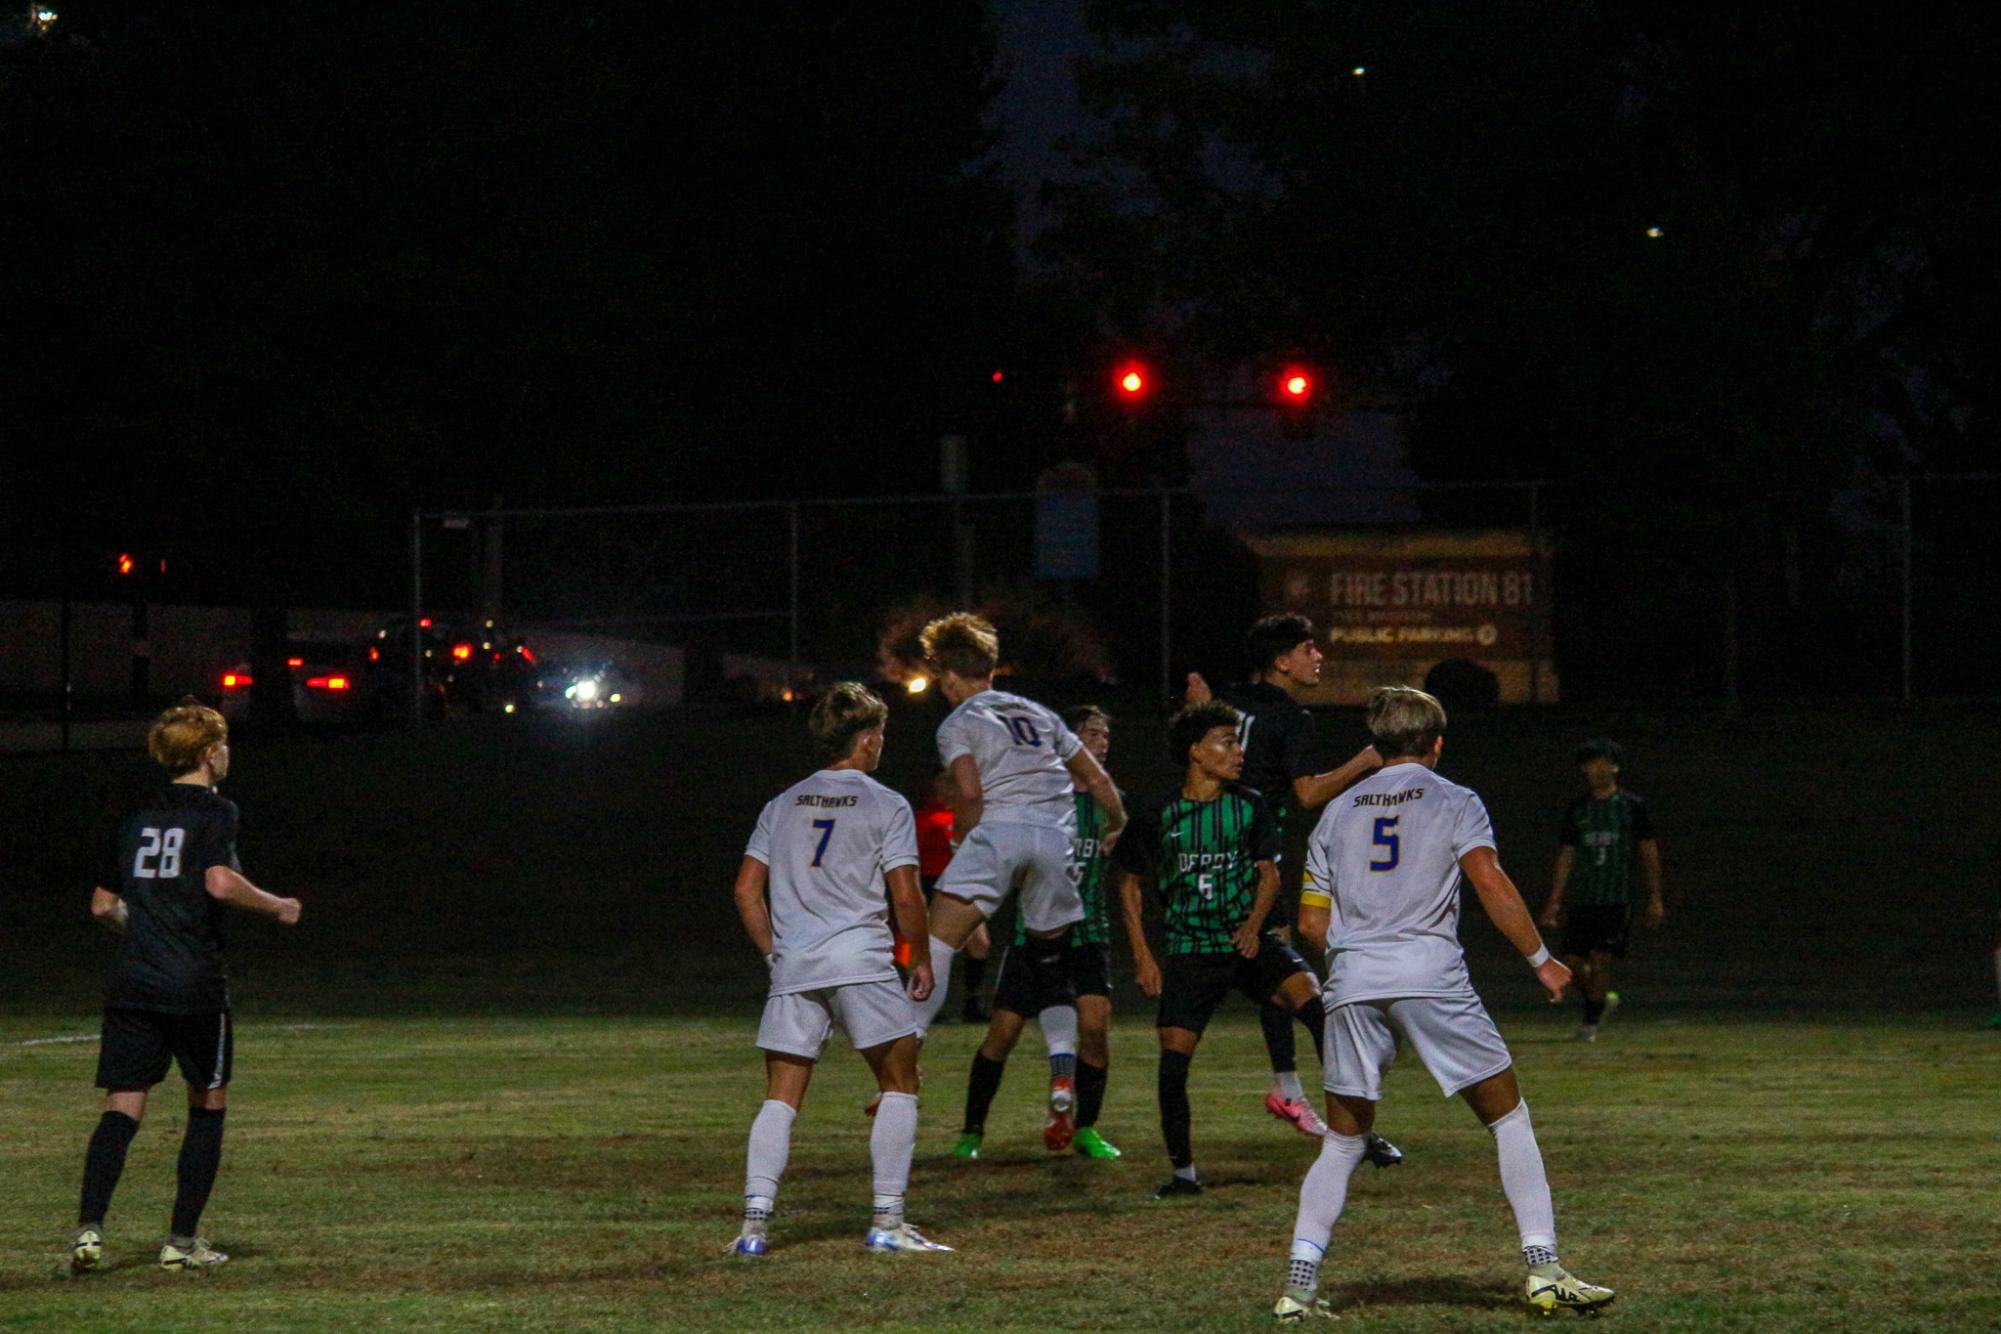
{"x": 1311, "y": 895}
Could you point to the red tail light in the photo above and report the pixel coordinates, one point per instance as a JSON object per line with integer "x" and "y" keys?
{"x": 327, "y": 682}
{"x": 526, "y": 654}
{"x": 235, "y": 681}
{"x": 375, "y": 655}
{"x": 295, "y": 662}
{"x": 461, "y": 652}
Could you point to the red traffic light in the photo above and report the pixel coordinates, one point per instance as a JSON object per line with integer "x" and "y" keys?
{"x": 1131, "y": 380}
{"x": 1295, "y": 386}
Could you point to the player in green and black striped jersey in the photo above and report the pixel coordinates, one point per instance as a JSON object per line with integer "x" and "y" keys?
{"x": 1077, "y": 1035}
{"x": 1605, "y": 834}
{"x": 1211, "y": 849}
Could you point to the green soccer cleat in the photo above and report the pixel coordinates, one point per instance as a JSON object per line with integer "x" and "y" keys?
{"x": 1560, "y": 1291}
{"x": 187, "y": 1260}
{"x": 968, "y": 1145}
{"x": 1093, "y": 1145}
{"x": 1291, "y": 1310}
{"x": 86, "y": 1253}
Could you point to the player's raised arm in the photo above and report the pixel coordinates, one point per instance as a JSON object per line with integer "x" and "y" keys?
{"x": 1318, "y": 789}
{"x": 226, "y": 884}
{"x": 108, "y": 910}
{"x": 1510, "y": 916}
{"x": 1091, "y": 776}
{"x": 751, "y": 878}
{"x": 906, "y": 902}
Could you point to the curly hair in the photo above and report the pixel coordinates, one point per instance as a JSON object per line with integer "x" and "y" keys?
{"x": 963, "y": 644}
{"x": 1188, "y": 727}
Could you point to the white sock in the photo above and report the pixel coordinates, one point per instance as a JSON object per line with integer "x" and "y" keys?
{"x": 1186, "y": 1173}
{"x": 941, "y": 971}
{"x": 1059, "y": 1034}
{"x": 1523, "y": 1180}
{"x": 1321, "y": 1198}
{"x": 770, "y": 1146}
{"x": 1287, "y": 1083}
{"x": 890, "y": 1146}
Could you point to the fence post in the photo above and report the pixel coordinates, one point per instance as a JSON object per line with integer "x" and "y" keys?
{"x": 792, "y": 615}
{"x": 1166, "y": 597}
{"x": 416, "y": 619}
{"x": 1904, "y": 608}
{"x": 1535, "y": 555}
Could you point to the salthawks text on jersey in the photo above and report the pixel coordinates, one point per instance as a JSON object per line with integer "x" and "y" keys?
{"x": 815, "y": 799}
{"x": 1389, "y": 798}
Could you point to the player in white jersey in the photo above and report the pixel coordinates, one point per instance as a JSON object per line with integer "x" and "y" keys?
{"x": 1382, "y": 881}
{"x": 822, "y": 853}
{"x": 1014, "y": 811}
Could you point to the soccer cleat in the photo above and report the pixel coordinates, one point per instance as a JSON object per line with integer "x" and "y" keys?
{"x": 1061, "y": 1127}
{"x": 968, "y": 1145}
{"x": 1093, "y": 1145}
{"x": 1381, "y": 1152}
{"x": 904, "y": 1238}
{"x": 1586, "y": 1033}
{"x": 87, "y": 1251}
{"x": 1178, "y": 1186}
{"x": 1291, "y": 1310}
{"x": 1297, "y": 1113}
{"x": 187, "y": 1260}
{"x": 750, "y": 1244}
{"x": 1563, "y": 1292}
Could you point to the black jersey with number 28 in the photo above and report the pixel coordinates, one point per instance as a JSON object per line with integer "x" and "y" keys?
{"x": 171, "y": 958}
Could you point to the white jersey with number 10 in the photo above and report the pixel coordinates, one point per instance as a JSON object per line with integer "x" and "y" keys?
{"x": 1021, "y": 750}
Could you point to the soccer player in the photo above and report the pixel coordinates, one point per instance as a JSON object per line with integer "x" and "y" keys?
{"x": 1211, "y": 849}
{"x": 1013, "y": 766}
{"x": 1281, "y": 761}
{"x": 934, "y": 854}
{"x": 1382, "y": 882}
{"x": 1078, "y": 1037}
{"x": 173, "y": 861}
{"x": 811, "y": 895}
{"x": 1604, "y": 833}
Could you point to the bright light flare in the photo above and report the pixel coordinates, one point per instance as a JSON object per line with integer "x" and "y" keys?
{"x": 1296, "y": 384}
{"x": 917, "y": 685}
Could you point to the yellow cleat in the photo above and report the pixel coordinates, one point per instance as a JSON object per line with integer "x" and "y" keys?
{"x": 188, "y": 1260}
{"x": 86, "y": 1253}
{"x": 1290, "y": 1310}
{"x": 1560, "y": 1291}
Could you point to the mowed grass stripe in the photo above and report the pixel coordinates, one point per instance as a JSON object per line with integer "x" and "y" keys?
{"x": 585, "y": 1173}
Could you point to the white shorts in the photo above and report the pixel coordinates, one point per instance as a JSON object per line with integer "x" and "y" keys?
{"x": 870, "y": 1013}
{"x": 1453, "y": 1035}
{"x": 997, "y": 857}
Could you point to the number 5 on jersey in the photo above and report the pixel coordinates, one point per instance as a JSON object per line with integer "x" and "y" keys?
{"x": 1386, "y": 838}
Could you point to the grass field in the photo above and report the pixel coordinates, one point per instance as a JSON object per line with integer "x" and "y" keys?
{"x": 500, "y": 1077}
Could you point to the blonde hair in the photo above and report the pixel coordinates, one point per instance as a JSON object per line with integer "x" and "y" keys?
{"x": 179, "y": 737}
{"x": 963, "y": 644}
{"x": 848, "y": 709}
{"x": 1405, "y": 721}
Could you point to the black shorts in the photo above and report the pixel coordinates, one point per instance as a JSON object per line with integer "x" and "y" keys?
{"x": 139, "y": 1045}
{"x": 1090, "y": 972}
{"x": 1594, "y": 928}
{"x": 1193, "y": 986}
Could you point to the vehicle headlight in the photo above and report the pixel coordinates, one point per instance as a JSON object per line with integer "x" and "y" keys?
{"x": 587, "y": 690}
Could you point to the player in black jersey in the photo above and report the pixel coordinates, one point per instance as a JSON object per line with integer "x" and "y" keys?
{"x": 1078, "y": 1037}
{"x": 1282, "y": 759}
{"x": 173, "y": 863}
{"x": 1211, "y": 849}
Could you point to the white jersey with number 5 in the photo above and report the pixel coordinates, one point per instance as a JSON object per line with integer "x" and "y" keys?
{"x": 828, "y": 842}
{"x": 1020, "y": 749}
{"x": 1384, "y": 860}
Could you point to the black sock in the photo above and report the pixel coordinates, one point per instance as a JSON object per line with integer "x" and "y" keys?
{"x": 1090, "y": 1092}
{"x": 1277, "y": 1026}
{"x": 201, "y": 1154}
{"x": 102, "y": 1164}
{"x": 1314, "y": 1015}
{"x": 981, "y": 1086}
{"x": 1594, "y": 1010}
{"x": 1174, "y": 1120}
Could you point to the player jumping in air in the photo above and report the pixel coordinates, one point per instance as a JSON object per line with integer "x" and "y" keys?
{"x": 1604, "y": 833}
{"x": 1210, "y": 849}
{"x": 811, "y": 895}
{"x": 1014, "y": 768}
{"x": 1077, "y": 1037}
{"x": 1382, "y": 881}
{"x": 174, "y": 863}
{"x": 1282, "y": 761}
